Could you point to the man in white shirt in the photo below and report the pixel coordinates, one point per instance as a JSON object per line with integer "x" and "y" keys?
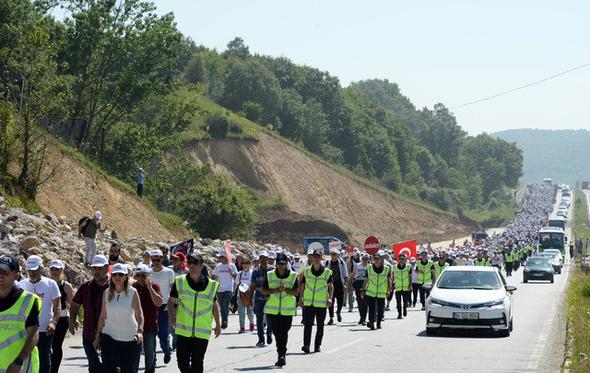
{"x": 164, "y": 277}
{"x": 46, "y": 289}
{"x": 224, "y": 273}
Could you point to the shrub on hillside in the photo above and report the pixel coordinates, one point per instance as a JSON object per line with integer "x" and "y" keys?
{"x": 217, "y": 125}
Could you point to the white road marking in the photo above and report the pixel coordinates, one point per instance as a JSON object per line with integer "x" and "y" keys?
{"x": 341, "y": 347}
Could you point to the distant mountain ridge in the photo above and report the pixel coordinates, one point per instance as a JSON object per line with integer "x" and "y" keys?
{"x": 562, "y": 155}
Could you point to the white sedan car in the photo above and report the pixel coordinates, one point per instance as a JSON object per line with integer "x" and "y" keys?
{"x": 468, "y": 297}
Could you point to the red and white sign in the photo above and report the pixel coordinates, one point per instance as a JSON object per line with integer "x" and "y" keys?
{"x": 406, "y": 247}
{"x": 228, "y": 251}
{"x": 350, "y": 249}
{"x": 372, "y": 245}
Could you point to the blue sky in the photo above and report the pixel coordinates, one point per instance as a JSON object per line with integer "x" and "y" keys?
{"x": 449, "y": 51}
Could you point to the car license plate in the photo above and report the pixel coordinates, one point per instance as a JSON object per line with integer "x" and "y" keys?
{"x": 538, "y": 274}
{"x": 466, "y": 315}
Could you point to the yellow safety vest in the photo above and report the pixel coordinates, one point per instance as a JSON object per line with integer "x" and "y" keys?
{"x": 401, "y": 277}
{"x": 482, "y": 263}
{"x": 195, "y": 309}
{"x": 316, "y": 288}
{"x": 13, "y": 333}
{"x": 281, "y": 303}
{"x": 438, "y": 268}
{"x": 510, "y": 257}
{"x": 425, "y": 277}
{"x": 377, "y": 286}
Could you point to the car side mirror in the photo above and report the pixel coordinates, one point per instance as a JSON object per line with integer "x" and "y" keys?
{"x": 427, "y": 287}
{"x": 510, "y": 288}
{"x": 565, "y": 239}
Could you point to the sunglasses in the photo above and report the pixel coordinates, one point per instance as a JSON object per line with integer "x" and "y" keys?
{"x": 117, "y": 274}
{"x": 194, "y": 262}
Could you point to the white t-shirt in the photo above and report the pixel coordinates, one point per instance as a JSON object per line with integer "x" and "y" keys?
{"x": 244, "y": 277}
{"x": 165, "y": 279}
{"x": 224, "y": 274}
{"x": 47, "y": 290}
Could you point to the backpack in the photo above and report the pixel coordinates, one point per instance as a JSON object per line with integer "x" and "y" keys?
{"x": 84, "y": 221}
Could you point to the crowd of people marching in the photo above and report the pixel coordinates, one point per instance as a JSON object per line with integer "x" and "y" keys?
{"x": 177, "y": 301}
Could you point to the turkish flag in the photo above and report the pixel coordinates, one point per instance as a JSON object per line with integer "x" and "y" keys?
{"x": 406, "y": 247}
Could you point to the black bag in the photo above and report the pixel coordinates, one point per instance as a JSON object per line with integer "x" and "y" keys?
{"x": 233, "y": 303}
{"x": 84, "y": 221}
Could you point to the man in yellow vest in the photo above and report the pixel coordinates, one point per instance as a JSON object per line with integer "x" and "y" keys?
{"x": 19, "y": 322}
{"x": 480, "y": 261}
{"x": 316, "y": 290}
{"x": 440, "y": 265}
{"x": 195, "y": 295}
{"x": 402, "y": 283}
{"x": 509, "y": 260}
{"x": 425, "y": 274}
{"x": 377, "y": 287}
{"x": 282, "y": 287}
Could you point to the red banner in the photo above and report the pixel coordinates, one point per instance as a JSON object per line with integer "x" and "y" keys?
{"x": 350, "y": 249}
{"x": 372, "y": 245}
{"x": 228, "y": 251}
{"x": 406, "y": 247}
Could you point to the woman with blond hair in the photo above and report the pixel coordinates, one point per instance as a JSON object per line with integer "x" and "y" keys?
{"x": 120, "y": 326}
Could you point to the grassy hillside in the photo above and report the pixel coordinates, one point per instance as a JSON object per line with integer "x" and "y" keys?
{"x": 559, "y": 154}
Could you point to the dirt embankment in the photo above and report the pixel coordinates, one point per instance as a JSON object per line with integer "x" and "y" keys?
{"x": 317, "y": 192}
{"x": 76, "y": 191}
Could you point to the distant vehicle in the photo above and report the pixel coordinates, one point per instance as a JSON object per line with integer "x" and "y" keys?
{"x": 562, "y": 212}
{"x": 556, "y": 252}
{"x": 554, "y": 259}
{"x": 552, "y": 238}
{"x": 538, "y": 268}
{"x": 479, "y": 237}
{"x": 566, "y": 193}
{"x": 470, "y": 298}
{"x": 557, "y": 222}
{"x": 547, "y": 181}
{"x": 585, "y": 184}
{"x": 325, "y": 241}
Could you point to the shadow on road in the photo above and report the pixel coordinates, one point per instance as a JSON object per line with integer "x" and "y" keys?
{"x": 447, "y": 333}
{"x": 254, "y": 369}
{"x": 241, "y": 347}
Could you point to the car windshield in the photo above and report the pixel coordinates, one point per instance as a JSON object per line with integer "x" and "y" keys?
{"x": 469, "y": 280}
{"x": 538, "y": 262}
{"x": 549, "y": 255}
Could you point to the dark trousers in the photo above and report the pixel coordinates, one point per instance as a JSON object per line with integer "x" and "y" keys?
{"x": 259, "y": 312}
{"x": 190, "y": 353}
{"x": 44, "y": 347}
{"x": 163, "y": 331}
{"x": 508, "y": 268}
{"x": 149, "y": 351}
{"x": 402, "y": 298}
{"x": 423, "y": 295}
{"x": 118, "y": 354}
{"x": 281, "y": 325}
{"x": 362, "y": 304}
{"x": 415, "y": 291}
{"x": 376, "y": 307}
{"x": 338, "y": 297}
{"x": 58, "y": 340}
{"x": 94, "y": 363}
{"x": 310, "y": 314}
{"x": 140, "y": 190}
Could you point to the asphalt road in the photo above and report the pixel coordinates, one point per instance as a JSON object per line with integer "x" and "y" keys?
{"x": 536, "y": 345}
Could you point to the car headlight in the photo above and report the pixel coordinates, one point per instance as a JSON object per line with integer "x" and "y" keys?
{"x": 437, "y": 301}
{"x": 499, "y": 302}
{"x": 527, "y": 269}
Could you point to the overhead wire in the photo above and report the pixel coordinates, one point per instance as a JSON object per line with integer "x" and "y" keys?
{"x": 520, "y": 87}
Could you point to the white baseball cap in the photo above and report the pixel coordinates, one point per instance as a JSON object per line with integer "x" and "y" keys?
{"x": 34, "y": 262}
{"x": 120, "y": 268}
{"x": 272, "y": 254}
{"x": 263, "y": 253}
{"x": 142, "y": 268}
{"x": 156, "y": 252}
{"x": 99, "y": 261}
{"x": 56, "y": 263}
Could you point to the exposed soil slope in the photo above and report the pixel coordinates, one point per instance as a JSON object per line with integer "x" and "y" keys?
{"x": 318, "y": 192}
{"x": 75, "y": 191}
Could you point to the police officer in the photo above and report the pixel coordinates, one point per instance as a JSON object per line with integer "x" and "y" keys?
{"x": 195, "y": 295}
{"x": 402, "y": 283}
{"x": 282, "y": 287}
{"x": 425, "y": 272}
{"x": 316, "y": 290}
{"x": 440, "y": 265}
{"x": 480, "y": 261}
{"x": 508, "y": 260}
{"x": 377, "y": 287}
{"x": 19, "y": 321}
